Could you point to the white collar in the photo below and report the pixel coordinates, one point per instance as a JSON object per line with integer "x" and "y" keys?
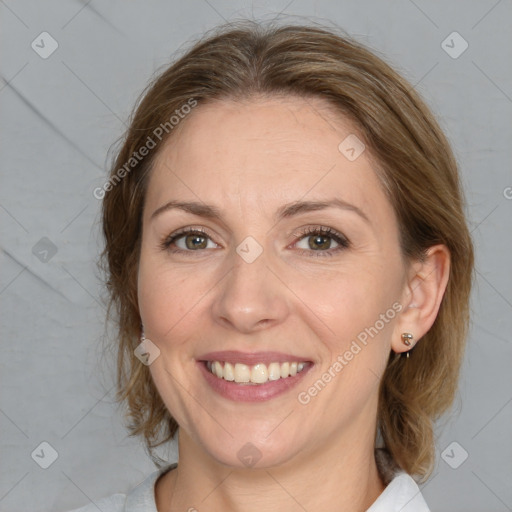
{"x": 402, "y": 494}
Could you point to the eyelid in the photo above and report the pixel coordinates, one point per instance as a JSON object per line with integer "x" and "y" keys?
{"x": 299, "y": 234}
{"x": 342, "y": 241}
{"x": 181, "y": 232}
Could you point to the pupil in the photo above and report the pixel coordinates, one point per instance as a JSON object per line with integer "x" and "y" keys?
{"x": 192, "y": 239}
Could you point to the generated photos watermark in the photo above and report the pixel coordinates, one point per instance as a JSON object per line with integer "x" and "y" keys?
{"x": 145, "y": 149}
{"x": 304, "y": 397}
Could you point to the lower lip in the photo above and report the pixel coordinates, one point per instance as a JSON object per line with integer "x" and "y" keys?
{"x": 251, "y": 392}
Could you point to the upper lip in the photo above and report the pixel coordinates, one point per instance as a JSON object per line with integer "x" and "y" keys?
{"x": 251, "y": 358}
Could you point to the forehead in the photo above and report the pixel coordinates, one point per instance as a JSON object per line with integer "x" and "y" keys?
{"x": 271, "y": 129}
{"x": 263, "y": 151}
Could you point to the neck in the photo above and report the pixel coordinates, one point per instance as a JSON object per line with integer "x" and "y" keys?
{"x": 340, "y": 476}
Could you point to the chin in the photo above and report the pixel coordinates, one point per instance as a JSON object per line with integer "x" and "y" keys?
{"x": 250, "y": 448}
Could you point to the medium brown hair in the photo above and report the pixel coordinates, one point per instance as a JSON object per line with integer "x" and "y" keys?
{"x": 414, "y": 162}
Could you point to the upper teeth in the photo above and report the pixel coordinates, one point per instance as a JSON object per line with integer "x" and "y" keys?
{"x": 257, "y": 374}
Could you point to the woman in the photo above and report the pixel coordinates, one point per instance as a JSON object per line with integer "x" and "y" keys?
{"x": 290, "y": 264}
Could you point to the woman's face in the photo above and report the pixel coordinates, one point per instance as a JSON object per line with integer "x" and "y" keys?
{"x": 272, "y": 275}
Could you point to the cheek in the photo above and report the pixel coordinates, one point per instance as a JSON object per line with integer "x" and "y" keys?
{"x": 347, "y": 298}
{"x": 357, "y": 313}
{"x": 170, "y": 299}
{"x": 158, "y": 295}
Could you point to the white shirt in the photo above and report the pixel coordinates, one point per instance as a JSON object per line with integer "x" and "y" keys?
{"x": 401, "y": 495}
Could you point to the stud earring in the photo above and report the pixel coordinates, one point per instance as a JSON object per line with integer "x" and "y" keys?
{"x": 407, "y": 338}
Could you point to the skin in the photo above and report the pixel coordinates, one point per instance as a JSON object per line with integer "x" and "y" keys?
{"x": 249, "y": 159}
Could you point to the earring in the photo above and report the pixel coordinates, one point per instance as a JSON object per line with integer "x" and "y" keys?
{"x": 407, "y": 338}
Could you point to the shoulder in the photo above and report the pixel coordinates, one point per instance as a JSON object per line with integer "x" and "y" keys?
{"x": 114, "y": 503}
{"x": 140, "y": 499}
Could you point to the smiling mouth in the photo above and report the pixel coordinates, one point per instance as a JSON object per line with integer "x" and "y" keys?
{"x": 259, "y": 373}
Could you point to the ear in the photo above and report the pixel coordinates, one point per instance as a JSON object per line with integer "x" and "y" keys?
{"x": 422, "y": 296}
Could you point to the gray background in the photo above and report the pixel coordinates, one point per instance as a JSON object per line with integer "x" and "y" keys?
{"x": 60, "y": 115}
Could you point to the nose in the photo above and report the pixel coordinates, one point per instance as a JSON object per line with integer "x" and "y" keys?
{"x": 251, "y": 297}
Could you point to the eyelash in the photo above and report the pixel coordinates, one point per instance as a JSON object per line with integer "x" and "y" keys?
{"x": 342, "y": 241}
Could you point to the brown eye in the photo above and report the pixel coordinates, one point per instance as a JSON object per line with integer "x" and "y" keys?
{"x": 195, "y": 241}
{"x": 319, "y": 242}
{"x": 191, "y": 240}
{"x": 323, "y": 241}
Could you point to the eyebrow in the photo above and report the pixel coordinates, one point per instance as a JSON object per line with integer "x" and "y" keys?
{"x": 286, "y": 211}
